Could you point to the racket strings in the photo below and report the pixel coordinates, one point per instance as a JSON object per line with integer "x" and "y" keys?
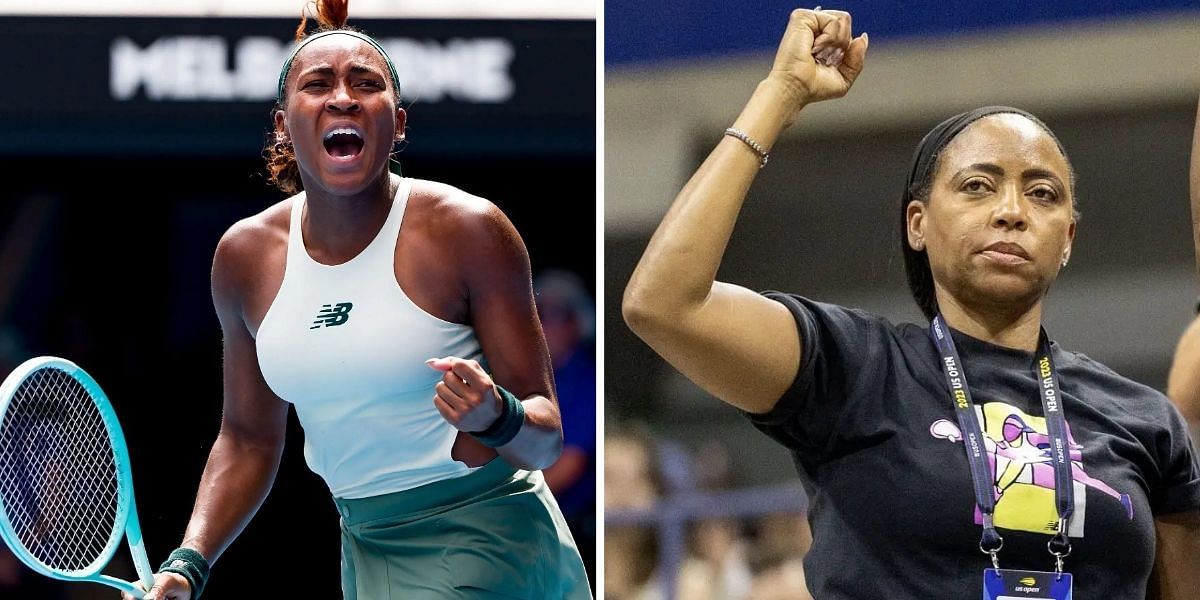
{"x": 58, "y": 475}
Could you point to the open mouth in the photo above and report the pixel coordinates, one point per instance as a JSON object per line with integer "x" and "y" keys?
{"x": 344, "y": 143}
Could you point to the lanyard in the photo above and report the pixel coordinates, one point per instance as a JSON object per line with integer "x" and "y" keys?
{"x": 981, "y": 475}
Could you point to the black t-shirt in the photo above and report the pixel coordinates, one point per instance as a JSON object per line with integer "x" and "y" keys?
{"x": 873, "y": 433}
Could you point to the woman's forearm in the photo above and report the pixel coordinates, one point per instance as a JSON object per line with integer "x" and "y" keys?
{"x": 680, "y": 263}
{"x": 236, "y": 480}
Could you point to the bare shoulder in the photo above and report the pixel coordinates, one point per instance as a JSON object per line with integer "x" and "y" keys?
{"x": 447, "y": 210}
{"x": 246, "y": 248}
{"x": 481, "y": 240}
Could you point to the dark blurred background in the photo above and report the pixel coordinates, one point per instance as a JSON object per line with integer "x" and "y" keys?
{"x": 129, "y": 144}
{"x": 1117, "y": 82}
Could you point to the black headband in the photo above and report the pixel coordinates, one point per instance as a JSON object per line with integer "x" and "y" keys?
{"x": 939, "y": 137}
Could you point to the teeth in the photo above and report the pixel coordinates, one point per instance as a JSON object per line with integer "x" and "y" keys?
{"x": 345, "y": 130}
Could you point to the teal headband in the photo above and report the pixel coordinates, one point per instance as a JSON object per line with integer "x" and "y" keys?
{"x": 287, "y": 65}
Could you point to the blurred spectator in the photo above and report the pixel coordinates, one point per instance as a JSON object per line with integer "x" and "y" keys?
{"x": 726, "y": 558}
{"x": 782, "y": 534}
{"x": 567, "y": 314}
{"x": 777, "y": 559}
{"x": 783, "y": 580}
{"x": 632, "y": 481}
{"x": 632, "y": 476}
{"x": 716, "y": 568}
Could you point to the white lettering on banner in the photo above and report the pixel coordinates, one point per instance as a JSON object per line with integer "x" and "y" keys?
{"x": 258, "y": 61}
{"x": 178, "y": 68}
{"x": 465, "y": 70}
{"x": 196, "y": 68}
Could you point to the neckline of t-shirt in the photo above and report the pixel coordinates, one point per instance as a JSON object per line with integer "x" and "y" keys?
{"x": 969, "y": 345}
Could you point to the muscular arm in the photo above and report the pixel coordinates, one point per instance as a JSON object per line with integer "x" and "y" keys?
{"x": 504, "y": 316}
{"x": 1175, "y": 575}
{"x": 739, "y": 346}
{"x": 245, "y": 458}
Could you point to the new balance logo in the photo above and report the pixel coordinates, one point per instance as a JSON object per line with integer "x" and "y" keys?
{"x": 332, "y": 315}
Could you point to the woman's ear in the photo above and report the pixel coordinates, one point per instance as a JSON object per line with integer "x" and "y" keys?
{"x": 401, "y": 119}
{"x": 281, "y": 134}
{"x": 915, "y": 230}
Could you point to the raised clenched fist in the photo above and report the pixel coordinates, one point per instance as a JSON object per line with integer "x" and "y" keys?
{"x": 817, "y": 58}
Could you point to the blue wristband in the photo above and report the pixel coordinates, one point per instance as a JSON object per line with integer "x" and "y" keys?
{"x": 507, "y": 425}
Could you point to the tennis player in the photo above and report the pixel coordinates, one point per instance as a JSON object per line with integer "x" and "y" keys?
{"x": 397, "y": 317}
{"x": 968, "y": 458}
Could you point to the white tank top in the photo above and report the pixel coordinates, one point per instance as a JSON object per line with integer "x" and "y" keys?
{"x": 347, "y": 348}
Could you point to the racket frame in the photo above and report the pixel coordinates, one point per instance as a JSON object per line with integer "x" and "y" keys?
{"x": 126, "y": 506}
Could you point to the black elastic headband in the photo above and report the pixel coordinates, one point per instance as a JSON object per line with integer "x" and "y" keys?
{"x": 939, "y": 137}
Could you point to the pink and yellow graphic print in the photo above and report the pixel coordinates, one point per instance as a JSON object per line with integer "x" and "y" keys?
{"x": 1018, "y": 449}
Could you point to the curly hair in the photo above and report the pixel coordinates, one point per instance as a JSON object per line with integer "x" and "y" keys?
{"x": 283, "y": 172}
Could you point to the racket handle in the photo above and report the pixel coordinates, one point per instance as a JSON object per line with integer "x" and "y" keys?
{"x": 137, "y": 547}
{"x": 142, "y": 563}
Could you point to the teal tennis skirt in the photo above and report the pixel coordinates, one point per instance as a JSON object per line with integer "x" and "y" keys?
{"x": 495, "y": 533}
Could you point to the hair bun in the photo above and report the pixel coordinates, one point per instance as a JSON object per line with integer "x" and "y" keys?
{"x": 331, "y": 14}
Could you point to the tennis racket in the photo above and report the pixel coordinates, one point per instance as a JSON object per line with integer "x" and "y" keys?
{"x": 66, "y": 489}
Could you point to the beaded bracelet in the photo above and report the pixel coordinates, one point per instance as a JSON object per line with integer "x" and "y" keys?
{"x": 763, "y": 155}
